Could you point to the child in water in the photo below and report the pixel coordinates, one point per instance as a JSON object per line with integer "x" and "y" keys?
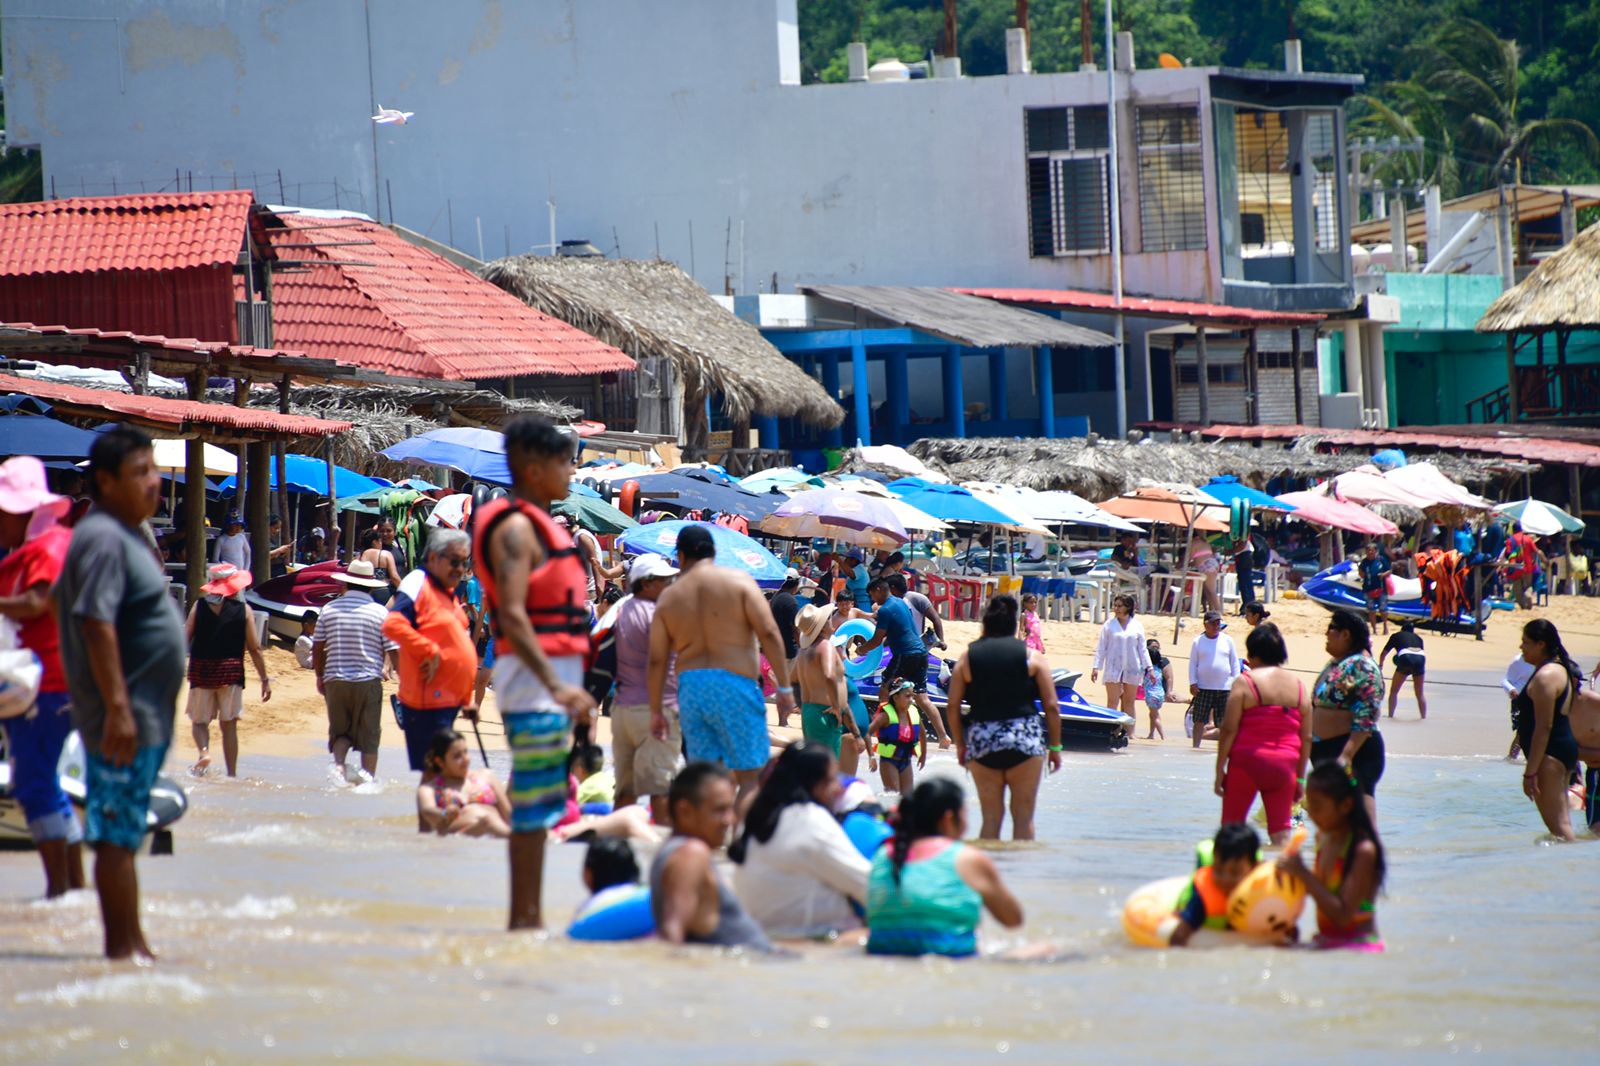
{"x": 897, "y": 727}
{"x": 618, "y": 906}
{"x": 1032, "y": 632}
{"x": 1235, "y": 851}
{"x": 459, "y": 799}
{"x": 1349, "y": 865}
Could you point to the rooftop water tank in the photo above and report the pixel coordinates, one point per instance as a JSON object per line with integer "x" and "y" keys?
{"x": 888, "y": 70}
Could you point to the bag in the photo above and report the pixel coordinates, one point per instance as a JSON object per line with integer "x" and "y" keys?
{"x": 20, "y": 674}
{"x": 1155, "y": 691}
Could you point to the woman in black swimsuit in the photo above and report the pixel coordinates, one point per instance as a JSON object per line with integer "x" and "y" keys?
{"x": 1540, "y": 713}
{"x": 1002, "y": 739}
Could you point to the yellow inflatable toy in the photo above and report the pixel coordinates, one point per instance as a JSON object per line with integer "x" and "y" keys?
{"x": 1264, "y": 907}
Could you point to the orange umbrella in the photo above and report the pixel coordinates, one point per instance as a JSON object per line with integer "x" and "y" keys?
{"x": 1191, "y": 510}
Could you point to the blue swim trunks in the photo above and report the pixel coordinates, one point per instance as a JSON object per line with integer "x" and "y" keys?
{"x": 119, "y": 797}
{"x": 724, "y": 718}
{"x": 539, "y": 741}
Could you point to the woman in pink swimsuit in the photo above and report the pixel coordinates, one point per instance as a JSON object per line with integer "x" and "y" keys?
{"x": 1265, "y": 738}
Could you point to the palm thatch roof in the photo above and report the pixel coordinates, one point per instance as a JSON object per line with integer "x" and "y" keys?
{"x": 654, "y": 308}
{"x": 1104, "y": 469}
{"x": 1563, "y": 292}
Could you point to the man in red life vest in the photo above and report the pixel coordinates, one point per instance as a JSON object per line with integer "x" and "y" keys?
{"x": 534, "y": 584}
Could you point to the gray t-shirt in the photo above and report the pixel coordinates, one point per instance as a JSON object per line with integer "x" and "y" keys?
{"x": 110, "y": 576}
{"x": 922, "y": 609}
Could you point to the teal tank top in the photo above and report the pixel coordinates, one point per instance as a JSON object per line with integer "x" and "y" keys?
{"x": 932, "y": 911}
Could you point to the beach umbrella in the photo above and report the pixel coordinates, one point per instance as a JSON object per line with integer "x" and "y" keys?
{"x": 172, "y": 456}
{"x": 950, "y": 503}
{"x": 852, "y": 517}
{"x": 478, "y": 453}
{"x": 1540, "y": 518}
{"x": 43, "y": 438}
{"x": 911, "y": 518}
{"x": 309, "y": 474}
{"x": 1151, "y": 504}
{"x": 1060, "y": 507}
{"x": 1340, "y": 514}
{"x": 734, "y": 549}
{"x": 1365, "y": 485}
{"x": 1426, "y": 481}
{"x": 787, "y": 478}
{"x": 588, "y": 510}
{"x": 1229, "y": 488}
{"x": 696, "y": 489}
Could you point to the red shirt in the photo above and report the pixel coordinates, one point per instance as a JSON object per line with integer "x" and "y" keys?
{"x": 39, "y": 560}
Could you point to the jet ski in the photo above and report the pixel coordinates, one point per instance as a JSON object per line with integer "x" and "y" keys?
{"x": 1084, "y": 725}
{"x": 1339, "y": 586}
{"x": 286, "y": 599}
{"x": 167, "y": 801}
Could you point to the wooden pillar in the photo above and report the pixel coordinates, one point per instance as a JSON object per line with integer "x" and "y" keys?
{"x": 1202, "y": 375}
{"x": 1294, "y": 348}
{"x": 258, "y": 503}
{"x": 1252, "y": 380}
{"x": 1575, "y": 490}
{"x": 140, "y": 382}
{"x": 1513, "y": 390}
{"x": 331, "y": 541}
{"x": 194, "y": 497}
{"x": 280, "y": 452}
{"x": 950, "y": 20}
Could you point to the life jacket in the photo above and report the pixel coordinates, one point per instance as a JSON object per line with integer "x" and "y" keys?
{"x": 1216, "y": 900}
{"x": 891, "y": 736}
{"x": 556, "y": 587}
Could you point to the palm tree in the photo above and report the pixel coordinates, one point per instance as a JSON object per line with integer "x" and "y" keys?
{"x": 1412, "y": 113}
{"x": 1474, "y": 77}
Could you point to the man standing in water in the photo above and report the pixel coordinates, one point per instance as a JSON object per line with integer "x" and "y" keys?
{"x": 534, "y": 584}
{"x": 122, "y": 647}
{"x": 712, "y": 619}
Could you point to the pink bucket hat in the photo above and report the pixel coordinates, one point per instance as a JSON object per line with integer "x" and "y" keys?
{"x": 23, "y": 489}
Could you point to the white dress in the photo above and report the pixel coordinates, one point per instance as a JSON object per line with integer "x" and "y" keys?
{"x": 800, "y": 883}
{"x": 1121, "y": 656}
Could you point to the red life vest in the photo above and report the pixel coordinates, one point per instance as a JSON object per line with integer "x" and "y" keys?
{"x": 556, "y": 605}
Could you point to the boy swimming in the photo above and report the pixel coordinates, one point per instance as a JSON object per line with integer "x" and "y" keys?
{"x": 1235, "y": 851}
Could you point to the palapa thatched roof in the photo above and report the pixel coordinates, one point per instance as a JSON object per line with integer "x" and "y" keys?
{"x": 654, "y": 308}
{"x": 1105, "y": 469}
{"x": 1563, "y": 292}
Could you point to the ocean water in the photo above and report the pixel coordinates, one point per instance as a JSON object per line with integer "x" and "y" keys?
{"x": 301, "y": 922}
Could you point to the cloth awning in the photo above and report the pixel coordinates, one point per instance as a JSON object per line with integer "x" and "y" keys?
{"x": 957, "y": 317}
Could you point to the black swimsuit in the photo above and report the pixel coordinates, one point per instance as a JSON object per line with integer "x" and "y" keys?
{"x": 1562, "y": 745}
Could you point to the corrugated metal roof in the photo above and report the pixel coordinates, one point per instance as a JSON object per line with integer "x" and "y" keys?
{"x": 159, "y": 231}
{"x": 175, "y": 414}
{"x": 1486, "y": 440}
{"x": 143, "y": 340}
{"x": 1146, "y": 307}
{"x": 373, "y": 299}
{"x": 1529, "y": 203}
{"x": 961, "y": 318}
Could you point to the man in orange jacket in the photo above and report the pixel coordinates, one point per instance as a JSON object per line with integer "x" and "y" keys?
{"x": 438, "y": 663}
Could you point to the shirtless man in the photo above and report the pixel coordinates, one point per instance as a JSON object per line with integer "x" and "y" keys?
{"x": 690, "y": 902}
{"x": 712, "y": 618}
{"x": 825, "y": 713}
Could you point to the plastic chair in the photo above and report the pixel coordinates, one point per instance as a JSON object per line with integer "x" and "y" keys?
{"x": 1060, "y": 591}
{"x": 938, "y": 591}
{"x": 967, "y": 598}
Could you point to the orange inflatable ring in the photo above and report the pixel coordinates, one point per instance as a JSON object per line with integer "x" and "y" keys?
{"x": 628, "y": 500}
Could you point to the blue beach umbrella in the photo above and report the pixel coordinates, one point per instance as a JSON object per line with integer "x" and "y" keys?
{"x": 310, "y": 475}
{"x": 1228, "y": 489}
{"x": 734, "y": 549}
{"x": 699, "y": 490}
{"x": 949, "y": 503}
{"x": 43, "y": 438}
{"x": 477, "y": 453}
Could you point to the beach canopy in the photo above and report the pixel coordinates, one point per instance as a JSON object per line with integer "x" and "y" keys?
{"x": 478, "y": 453}
{"x": 734, "y": 549}
{"x": 43, "y": 438}
{"x": 1540, "y": 518}
{"x": 702, "y": 490}
{"x": 851, "y": 517}
{"x": 1229, "y": 488}
{"x": 1191, "y": 509}
{"x": 172, "y": 456}
{"x": 950, "y": 503}
{"x": 1340, "y": 514}
{"x": 1058, "y": 507}
{"x": 309, "y": 474}
{"x": 787, "y": 478}
{"x": 1428, "y": 482}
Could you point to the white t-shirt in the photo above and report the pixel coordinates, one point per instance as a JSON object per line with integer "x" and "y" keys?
{"x": 1214, "y": 664}
{"x": 800, "y": 883}
{"x": 302, "y": 651}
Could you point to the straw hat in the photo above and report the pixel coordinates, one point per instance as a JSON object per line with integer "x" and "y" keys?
{"x": 361, "y": 573}
{"x": 225, "y": 579}
{"x": 812, "y": 621}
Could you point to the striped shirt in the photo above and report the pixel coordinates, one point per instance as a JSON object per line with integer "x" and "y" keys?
{"x": 351, "y": 628}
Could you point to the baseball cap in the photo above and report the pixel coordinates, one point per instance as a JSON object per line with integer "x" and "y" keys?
{"x": 855, "y": 555}
{"x": 791, "y": 575}
{"x": 649, "y": 566}
{"x": 1215, "y": 616}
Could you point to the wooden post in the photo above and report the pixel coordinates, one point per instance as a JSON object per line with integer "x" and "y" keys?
{"x": 141, "y": 374}
{"x": 1513, "y": 389}
{"x": 1252, "y": 380}
{"x": 194, "y": 498}
{"x": 333, "y": 507}
{"x": 950, "y": 20}
{"x": 1203, "y": 375}
{"x": 258, "y": 503}
{"x": 1294, "y": 349}
{"x": 280, "y": 455}
{"x": 1086, "y": 32}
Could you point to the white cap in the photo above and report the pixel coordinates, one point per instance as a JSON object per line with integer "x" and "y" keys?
{"x": 649, "y": 566}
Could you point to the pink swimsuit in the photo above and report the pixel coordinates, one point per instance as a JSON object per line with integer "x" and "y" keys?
{"x": 1264, "y": 758}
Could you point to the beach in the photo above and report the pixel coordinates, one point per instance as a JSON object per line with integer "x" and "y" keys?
{"x": 297, "y": 920}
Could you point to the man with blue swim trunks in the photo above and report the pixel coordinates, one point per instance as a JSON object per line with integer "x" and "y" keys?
{"x": 712, "y": 619}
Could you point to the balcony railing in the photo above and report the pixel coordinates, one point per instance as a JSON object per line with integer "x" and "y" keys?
{"x": 1543, "y": 393}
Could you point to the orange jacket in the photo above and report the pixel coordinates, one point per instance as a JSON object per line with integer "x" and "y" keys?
{"x": 425, "y": 620}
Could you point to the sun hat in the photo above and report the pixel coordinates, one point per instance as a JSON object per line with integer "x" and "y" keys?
{"x": 855, "y": 555}
{"x": 647, "y": 566}
{"x": 225, "y": 579}
{"x": 23, "y": 489}
{"x": 812, "y": 621}
{"x": 318, "y": 531}
{"x": 361, "y": 573}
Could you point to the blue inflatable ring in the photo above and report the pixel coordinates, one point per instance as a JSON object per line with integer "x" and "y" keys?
{"x": 869, "y": 663}
{"x": 867, "y": 832}
{"x": 621, "y": 912}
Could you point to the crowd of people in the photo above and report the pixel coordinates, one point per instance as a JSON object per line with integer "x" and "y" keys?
{"x": 697, "y": 648}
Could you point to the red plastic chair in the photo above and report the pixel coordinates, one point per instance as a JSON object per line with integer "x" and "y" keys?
{"x": 967, "y": 598}
{"x": 937, "y": 589}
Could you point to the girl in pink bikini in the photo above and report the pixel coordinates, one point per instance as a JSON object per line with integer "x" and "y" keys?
{"x": 1265, "y": 738}
{"x": 458, "y": 799}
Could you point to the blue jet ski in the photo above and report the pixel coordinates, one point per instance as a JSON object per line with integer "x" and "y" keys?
{"x": 167, "y": 801}
{"x": 1339, "y": 586}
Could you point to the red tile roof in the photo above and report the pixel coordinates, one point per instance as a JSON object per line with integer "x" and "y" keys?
{"x": 122, "y": 343}
{"x": 1147, "y": 307}
{"x": 373, "y": 299}
{"x": 160, "y": 231}
{"x": 173, "y": 414}
{"x": 1523, "y": 443}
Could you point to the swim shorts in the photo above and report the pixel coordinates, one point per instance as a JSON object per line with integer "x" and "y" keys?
{"x": 1208, "y": 705}
{"x": 645, "y": 765}
{"x": 913, "y": 667}
{"x": 119, "y": 797}
{"x": 1407, "y": 663}
{"x": 421, "y": 727}
{"x": 539, "y": 741}
{"x": 817, "y": 725}
{"x": 355, "y": 713}
{"x": 207, "y": 705}
{"x": 724, "y": 718}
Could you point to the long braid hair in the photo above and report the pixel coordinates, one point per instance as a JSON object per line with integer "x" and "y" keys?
{"x": 919, "y": 816}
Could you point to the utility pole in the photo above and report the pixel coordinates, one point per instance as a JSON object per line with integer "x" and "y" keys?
{"x": 1086, "y": 32}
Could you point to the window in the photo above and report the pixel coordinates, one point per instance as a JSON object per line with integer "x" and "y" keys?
{"x": 1083, "y": 369}
{"x": 1216, "y": 373}
{"x": 1068, "y": 181}
{"x": 1266, "y": 218}
{"x": 1285, "y": 360}
{"x": 1171, "y": 180}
